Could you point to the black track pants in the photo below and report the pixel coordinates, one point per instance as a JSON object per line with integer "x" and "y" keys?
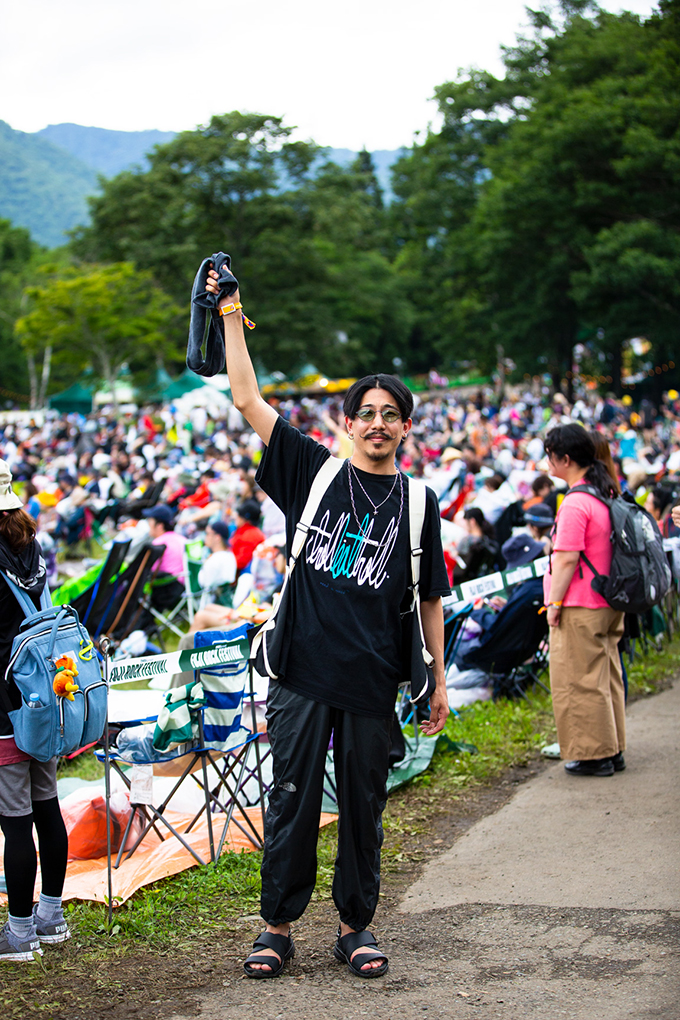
{"x": 299, "y": 732}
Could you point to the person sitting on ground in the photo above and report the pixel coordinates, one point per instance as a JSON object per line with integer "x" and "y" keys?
{"x": 541, "y": 487}
{"x": 218, "y": 570}
{"x": 517, "y": 551}
{"x": 247, "y": 536}
{"x": 73, "y": 520}
{"x": 168, "y": 576}
{"x": 477, "y": 551}
{"x": 539, "y": 521}
{"x": 490, "y": 499}
{"x": 31, "y": 501}
{"x": 657, "y": 503}
{"x": 202, "y": 495}
{"x": 265, "y": 576}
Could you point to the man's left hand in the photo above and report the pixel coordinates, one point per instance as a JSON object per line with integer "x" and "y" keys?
{"x": 439, "y": 710}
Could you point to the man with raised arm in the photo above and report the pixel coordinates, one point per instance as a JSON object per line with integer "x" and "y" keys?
{"x": 341, "y": 660}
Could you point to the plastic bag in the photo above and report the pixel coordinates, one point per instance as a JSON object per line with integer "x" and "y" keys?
{"x": 84, "y": 814}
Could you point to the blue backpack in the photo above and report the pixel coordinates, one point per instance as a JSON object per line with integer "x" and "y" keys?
{"x": 53, "y": 725}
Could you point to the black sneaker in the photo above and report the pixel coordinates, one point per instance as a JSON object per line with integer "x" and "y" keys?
{"x": 590, "y": 767}
{"x": 52, "y": 931}
{"x": 14, "y": 951}
{"x": 619, "y": 762}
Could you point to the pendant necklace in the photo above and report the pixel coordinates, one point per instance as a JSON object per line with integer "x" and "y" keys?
{"x": 351, "y": 472}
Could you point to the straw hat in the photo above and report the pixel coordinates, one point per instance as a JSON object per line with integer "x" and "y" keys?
{"x": 8, "y": 500}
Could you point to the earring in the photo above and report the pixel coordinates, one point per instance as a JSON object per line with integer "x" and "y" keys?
{"x": 350, "y": 435}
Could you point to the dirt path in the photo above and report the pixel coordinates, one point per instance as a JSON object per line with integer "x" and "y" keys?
{"x": 563, "y": 903}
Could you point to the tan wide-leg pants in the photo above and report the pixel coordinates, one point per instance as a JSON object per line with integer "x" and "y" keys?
{"x": 586, "y": 683}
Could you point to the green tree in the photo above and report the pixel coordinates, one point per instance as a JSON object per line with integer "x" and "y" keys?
{"x": 103, "y": 316}
{"x": 568, "y": 155}
{"x": 17, "y": 252}
{"x": 308, "y": 240}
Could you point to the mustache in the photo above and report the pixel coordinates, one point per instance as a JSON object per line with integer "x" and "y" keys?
{"x": 380, "y": 435}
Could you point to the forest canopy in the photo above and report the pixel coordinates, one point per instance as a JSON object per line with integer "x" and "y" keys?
{"x": 543, "y": 212}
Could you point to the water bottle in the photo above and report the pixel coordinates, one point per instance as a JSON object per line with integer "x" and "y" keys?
{"x": 34, "y": 700}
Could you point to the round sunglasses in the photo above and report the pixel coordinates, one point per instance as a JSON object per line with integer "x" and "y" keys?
{"x": 388, "y": 415}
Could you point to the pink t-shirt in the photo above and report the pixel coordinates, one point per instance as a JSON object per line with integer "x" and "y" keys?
{"x": 583, "y": 525}
{"x": 172, "y": 560}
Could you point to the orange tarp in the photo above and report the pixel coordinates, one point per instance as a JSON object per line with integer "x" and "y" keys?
{"x": 153, "y": 860}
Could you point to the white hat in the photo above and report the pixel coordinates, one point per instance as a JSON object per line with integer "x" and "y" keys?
{"x": 8, "y": 500}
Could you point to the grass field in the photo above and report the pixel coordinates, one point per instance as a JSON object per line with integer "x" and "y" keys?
{"x": 506, "y": 733}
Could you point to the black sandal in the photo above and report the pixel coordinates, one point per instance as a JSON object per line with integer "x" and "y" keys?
{"x": 283, "y": 946}
{"x": 348, "y": 944}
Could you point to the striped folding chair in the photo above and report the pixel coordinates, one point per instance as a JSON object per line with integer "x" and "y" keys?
{"x": 205, "y": 735}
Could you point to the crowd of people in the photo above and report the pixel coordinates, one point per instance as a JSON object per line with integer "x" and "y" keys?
{"x": 169, "y": 475}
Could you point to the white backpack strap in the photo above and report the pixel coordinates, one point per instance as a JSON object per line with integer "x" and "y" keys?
{"x": 417, "y": 495}
{"x": 320, "y": 485}
{"x": 416, "y": 518}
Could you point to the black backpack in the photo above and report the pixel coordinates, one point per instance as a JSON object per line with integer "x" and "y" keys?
{"x": 639, "y": 576}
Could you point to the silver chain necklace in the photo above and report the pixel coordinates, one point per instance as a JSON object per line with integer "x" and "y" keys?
{"x": 351, "y": 472}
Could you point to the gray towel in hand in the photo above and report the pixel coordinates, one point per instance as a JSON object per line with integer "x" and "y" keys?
{"x": 202, "y": 302}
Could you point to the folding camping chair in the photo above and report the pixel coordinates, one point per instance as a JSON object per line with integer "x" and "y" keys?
{"x": 92, "y": 603}
{"x": 513, "y": 649}
{"x": 216, "y": 758}
{"x": 135, "y": 508}
{"x": 180, "y": 617}
{"x": 454, "y": 621}
{"x": 407, "y": 713}
{"x": 116, "y": 607}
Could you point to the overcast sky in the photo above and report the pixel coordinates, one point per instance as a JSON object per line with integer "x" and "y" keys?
{"x": 347, "y": 74}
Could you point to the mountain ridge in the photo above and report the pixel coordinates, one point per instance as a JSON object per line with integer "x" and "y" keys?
{"x": 46, "y": 176}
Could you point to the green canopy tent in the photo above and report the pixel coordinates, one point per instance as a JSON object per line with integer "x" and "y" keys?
{"x": 187, "y": 382}
{"x": 155, "y": 390}
{"x": 77, "y": 399}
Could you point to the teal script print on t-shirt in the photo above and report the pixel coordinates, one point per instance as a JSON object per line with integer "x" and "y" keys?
{"x": 349, "y": 552}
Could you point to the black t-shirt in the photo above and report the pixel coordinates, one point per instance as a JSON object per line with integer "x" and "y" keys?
{"x": 343, "y": 632}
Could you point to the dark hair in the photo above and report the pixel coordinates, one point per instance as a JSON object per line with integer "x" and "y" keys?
{"x": 394, "y": 386}
{"x": 220, "y": 528}
{"x": 250, "y": 511}
{"x": 17, "y": 528}
{"x": 473, "y": 513}
{"x": 494, "y": 481}
{"x": 661, "y": 498}
{"x": 574, "y": 442}
{"x": 540, "y": 482}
